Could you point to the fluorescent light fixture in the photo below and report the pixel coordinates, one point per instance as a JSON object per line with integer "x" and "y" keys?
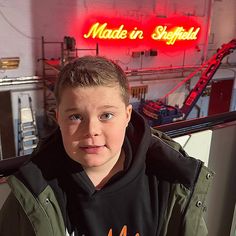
{"x": 7, "y": 63}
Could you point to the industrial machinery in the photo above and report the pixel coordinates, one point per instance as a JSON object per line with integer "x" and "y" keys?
{"x": 157, "y": 113}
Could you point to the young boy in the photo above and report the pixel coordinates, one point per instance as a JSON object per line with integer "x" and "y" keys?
{"x": 104, "y": 171}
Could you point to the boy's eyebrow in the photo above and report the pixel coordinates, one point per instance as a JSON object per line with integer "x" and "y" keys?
{"x": 101, "y": 107}
{"x": 108, "y": 106}
{"x": 71, "y": 109}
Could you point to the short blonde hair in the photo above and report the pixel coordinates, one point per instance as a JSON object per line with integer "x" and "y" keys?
{"x": 90, "y": 71}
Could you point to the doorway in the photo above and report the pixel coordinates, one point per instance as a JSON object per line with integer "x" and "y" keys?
{"x": 220, "y": 98}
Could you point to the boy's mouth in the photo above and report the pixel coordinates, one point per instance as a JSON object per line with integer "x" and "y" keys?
{"x": 93, "y": 149}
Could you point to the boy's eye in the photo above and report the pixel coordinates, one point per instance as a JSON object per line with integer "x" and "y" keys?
{"x": 106, "y": 116}
{"x": 75, "y": 117}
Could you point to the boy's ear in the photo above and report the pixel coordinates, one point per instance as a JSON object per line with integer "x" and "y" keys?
{"x": 129, "y": 109}
{"x": 56, "y": 115}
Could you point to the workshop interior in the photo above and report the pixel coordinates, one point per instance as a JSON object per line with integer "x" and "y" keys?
{"x": 180, "y": 61}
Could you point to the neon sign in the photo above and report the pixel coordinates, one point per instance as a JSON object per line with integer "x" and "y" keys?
{"x": 160, "y": 33}
{"x": 102, "y": 32}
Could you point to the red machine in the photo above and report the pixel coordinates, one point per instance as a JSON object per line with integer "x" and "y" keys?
{"x": 158, "y": 113}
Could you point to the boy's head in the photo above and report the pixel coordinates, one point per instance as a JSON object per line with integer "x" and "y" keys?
{"x": 93, "y": 111}
{"x": 91, "y": 71}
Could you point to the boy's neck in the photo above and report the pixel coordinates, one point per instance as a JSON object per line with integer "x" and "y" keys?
{"x": 100, "y": 176}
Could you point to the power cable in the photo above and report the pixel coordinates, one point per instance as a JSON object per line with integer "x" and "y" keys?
{"x": 15, "y": 28}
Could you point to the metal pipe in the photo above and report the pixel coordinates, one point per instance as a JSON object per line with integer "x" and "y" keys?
{"x": 1, "y": 156}
{"x": 43, "y": 56}
{"x": 154, "y": 79}
{"x": 207, "y": 35}
{"x": 18, "y": 82}
{"x": 97, "y": 49}
{"x": 159, "y": 70}
{"x": 62, "y": 54}
{"x": 47, "y": 42}
{"x": 20, "y": 78}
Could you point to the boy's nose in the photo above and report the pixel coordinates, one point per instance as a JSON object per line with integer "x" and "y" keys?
{"x": 92, "y": 128}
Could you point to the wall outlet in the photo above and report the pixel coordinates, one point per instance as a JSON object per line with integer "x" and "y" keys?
{"x": 147, "y": 53}
{"x": 136, "y": 54}
{"x": 153, "y": 52}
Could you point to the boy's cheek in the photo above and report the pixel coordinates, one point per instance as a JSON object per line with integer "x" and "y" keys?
{"x": 70, "y": 131}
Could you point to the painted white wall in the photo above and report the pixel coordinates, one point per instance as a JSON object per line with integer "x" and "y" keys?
{"x": 222, "y": 197}
{"x": 23, "y": 23}
{"x": 192, "y": 142}
{"x": 16, "y": 36}
{"x": 223, "y": 27}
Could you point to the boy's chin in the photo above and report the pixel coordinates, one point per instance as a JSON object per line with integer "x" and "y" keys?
{"x": 92, "y": 163}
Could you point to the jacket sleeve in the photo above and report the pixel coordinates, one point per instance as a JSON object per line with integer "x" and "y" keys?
{"x": 187, "y": 205}
{"x": 13, "y": 220}
{"x": 194, "y": 223}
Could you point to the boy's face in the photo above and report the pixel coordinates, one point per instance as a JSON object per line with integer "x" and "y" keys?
{"x": 93, "y": 121}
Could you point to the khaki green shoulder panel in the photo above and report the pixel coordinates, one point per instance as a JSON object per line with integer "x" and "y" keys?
{"x": 194, "y": 224}
{"x": 174, "y": 214}
{"x": 184, "y": 215}
{"x": 43, "y": 212}
{"x": 53, "y": 211}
